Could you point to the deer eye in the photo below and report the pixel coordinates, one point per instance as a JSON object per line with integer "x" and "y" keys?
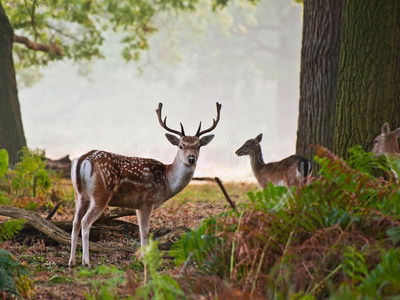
{"x": 246, "y": 146}
{"x": 180, "y": 147}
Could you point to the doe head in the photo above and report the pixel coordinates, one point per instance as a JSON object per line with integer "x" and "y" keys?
{"x": 189, "y": 146}
{"x": 249, "y": 146}
{"x": 386, "y": 142}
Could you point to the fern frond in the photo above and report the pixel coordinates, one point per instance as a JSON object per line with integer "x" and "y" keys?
{"x": 10, "y": 228}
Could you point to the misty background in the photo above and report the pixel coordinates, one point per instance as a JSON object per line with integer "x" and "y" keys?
{"x": 246, "y": 58}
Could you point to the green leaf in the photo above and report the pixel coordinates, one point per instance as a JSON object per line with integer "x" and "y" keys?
{"x": 3, "y": 163}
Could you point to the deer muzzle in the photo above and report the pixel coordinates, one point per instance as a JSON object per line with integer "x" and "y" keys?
{"x": 191, "y": 159}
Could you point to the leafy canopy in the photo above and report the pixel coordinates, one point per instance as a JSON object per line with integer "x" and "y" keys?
{"x": 75, "y": 29}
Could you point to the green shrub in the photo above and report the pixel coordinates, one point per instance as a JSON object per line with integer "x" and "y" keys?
{"x": 30, "y": 178}
{"x": 29, "y": 185}
{"x": 3, "y": 164}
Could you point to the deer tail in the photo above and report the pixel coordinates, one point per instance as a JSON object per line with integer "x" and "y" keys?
{"x": 305, "y": 167}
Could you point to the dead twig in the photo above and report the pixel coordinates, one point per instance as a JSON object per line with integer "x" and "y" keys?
{"x": 54, "y": 210}
{"x": 221, "y": 186}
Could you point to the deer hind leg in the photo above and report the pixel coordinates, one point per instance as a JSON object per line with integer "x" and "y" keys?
{"x": 82, "y": 205}
{"x": 94, "y": 211}
{"x": 143, "y": 216}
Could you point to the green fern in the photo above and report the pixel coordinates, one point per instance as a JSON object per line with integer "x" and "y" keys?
{"x": 10, "y": 228}
{"x": 394, "y": 234}
{"x": 159, "y": 287}
{"x": 384, "y": 279}
{"x": 11, "y": 271}
{"x": 354, "y": 264}
{"x": 337, "y": 227}
{"x": 195, "y": 245}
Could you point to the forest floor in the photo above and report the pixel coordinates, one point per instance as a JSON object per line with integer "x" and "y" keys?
{"x": 48, "y": 260}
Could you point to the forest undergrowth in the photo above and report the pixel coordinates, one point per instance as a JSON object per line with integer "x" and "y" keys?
{"x": 336, "y": 238}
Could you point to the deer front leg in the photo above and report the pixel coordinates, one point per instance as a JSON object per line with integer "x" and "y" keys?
{"x": 143, "y": 216}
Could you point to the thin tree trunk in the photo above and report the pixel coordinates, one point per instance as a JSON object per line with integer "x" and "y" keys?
{"x": 369, "y": 74}
{"x": 319, "y": 73}
{"x": 12, "y": 136}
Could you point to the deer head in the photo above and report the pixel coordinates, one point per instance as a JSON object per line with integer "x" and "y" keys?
{"x": 189, "y": 146}
{"x": 386, "y": 142}
{"x": 250, "y": 146}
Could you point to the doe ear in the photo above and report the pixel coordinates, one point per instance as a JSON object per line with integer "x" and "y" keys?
{"x": 205, "y": 140}
{"x": 397, "y": 132}
{"x": 172, "y": 139}
{"x": 385, "y": 130}
{"x": 259, "y": 138}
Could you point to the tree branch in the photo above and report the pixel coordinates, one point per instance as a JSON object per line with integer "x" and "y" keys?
{"x": 51, "y": 48}
{"x": 221, "y": 186}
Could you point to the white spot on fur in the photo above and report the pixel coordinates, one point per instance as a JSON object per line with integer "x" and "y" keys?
{"x": 280, "y": 183}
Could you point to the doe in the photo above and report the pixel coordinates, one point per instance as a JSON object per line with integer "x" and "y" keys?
{"x": 101, "y": 178}
{"x": 386, "y": 142}
{"x": 291, "y": 171}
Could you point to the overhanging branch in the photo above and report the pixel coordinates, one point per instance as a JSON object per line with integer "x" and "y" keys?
{"x": 50, "y": 48}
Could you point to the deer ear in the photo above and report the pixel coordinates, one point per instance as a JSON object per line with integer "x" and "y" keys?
{"x": 206, "y": 139}
{"x": 259, "y": 138}
{"x": 172, "y": 139}
{"x": 385, "y": 130}
{"x": 397, "y": 132}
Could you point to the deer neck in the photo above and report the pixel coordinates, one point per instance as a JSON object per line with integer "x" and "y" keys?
{"x": 179, "y": 175}
{"x": 256, "y": 159}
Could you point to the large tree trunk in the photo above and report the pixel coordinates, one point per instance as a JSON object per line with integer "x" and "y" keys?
{"x": 369, "y": 73}
{"x": 319, "y": 73}
{"x": 12, "y": 136}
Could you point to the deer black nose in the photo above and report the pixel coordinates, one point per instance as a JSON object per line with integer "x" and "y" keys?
{"x": 191, "y": 159}
{"x": 239, "y": 152}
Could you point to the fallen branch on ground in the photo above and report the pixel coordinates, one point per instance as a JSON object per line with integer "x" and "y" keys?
{"x": 52, "y": 231}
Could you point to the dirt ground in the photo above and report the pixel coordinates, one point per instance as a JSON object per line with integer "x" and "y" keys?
{"x": 48, "y": 260}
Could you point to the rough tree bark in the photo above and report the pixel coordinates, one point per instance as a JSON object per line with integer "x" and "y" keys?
{"x": 12, "y": 136}
{"x": 369, "y": 73}
{"x": 319, "y": 73}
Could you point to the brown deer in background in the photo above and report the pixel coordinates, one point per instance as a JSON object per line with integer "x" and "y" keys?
{"x": 101, "y": 178}
{"x": 386, "y": 142}
{"x": 291, "y": 171}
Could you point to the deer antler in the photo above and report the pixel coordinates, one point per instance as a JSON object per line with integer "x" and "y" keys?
{"x": 164, "y": 123}
{"x": 215, "y": 122}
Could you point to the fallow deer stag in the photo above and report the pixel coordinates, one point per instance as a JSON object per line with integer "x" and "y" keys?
{"x": 291, "y": 171}
{"x": 386, "y": 142}
{"x": 101, "y": 178}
